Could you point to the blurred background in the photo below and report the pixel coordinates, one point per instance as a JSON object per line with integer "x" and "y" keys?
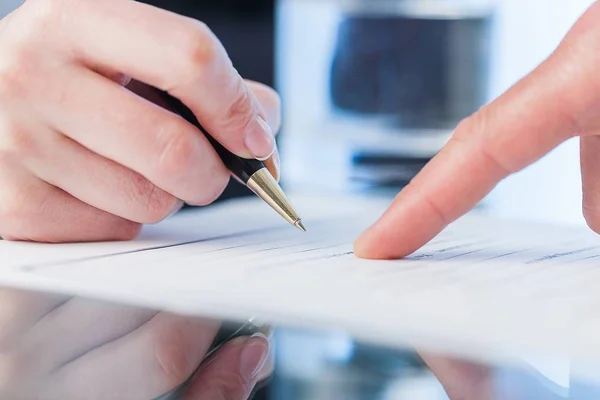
{"x": 371, "y": 90}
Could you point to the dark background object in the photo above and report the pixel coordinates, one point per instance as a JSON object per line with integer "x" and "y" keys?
{"x": 373, "y": 170}
{"x": 419, "y": 73}
{"x": 424, "y": 72}
{"x": 247, "y": 30}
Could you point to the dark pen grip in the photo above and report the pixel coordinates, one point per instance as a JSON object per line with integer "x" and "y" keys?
{"x": 242, "y": 168}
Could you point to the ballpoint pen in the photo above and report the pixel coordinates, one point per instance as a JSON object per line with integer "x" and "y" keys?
{"x": 250, "y": 172}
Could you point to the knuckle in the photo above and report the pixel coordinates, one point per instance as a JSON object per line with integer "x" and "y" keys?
{"x": 16, "y": 140}
{"x": 476, "y": 125}
{"x": 158, "y": 204}
{"x": 469, "y": 126}
{"x": 174, "y": 366}
{"x": 14, "y": 73}
{"x": 266, "y": 95}
{"x": 199, "y": 50}
{"x": 173, "y": 354}
{"x": 436, "y": 209}
{"x": 239, "y": 114}
{"x": 226, "y": 386}
{"x": 212, "y": 191}
{"x": 178, "y": 150}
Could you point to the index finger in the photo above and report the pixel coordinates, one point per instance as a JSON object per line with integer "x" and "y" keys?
{"x": 171, "y": 52}
{"x": 537, "y": 114}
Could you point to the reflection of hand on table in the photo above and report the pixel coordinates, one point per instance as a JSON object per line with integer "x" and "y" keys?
{"x": 461, "y": 380}
{"x": 87, "y": 156}
{"x": 55, "y": 347}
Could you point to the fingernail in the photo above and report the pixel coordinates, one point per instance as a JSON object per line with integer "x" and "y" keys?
{"x": 277, "y": 161}
{"x": 268, "y": 331}
{"x": 254, "y": 356}
{"x": 259, "y": 139}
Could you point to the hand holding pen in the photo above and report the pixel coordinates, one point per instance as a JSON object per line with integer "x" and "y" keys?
{"x": 85, "y": 154}
{"x": 60, "y": 347}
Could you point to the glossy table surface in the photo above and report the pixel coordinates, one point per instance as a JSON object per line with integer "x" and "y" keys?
{"x": 53, "y": 347}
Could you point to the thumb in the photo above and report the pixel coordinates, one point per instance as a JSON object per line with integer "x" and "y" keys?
{"x": 233, "y": 372}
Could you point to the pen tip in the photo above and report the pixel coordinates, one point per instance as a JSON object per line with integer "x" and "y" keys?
{"x": 298, "y": 224}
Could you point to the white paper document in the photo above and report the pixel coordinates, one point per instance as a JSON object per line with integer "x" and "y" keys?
{"x": 481, "y": 286}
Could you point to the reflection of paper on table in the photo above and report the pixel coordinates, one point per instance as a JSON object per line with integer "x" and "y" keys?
{"x": 480, "y": 286}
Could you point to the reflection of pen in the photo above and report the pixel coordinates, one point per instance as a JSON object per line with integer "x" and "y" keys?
{"x": 227, "y": 333}
{"x": 251, "y": 173}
